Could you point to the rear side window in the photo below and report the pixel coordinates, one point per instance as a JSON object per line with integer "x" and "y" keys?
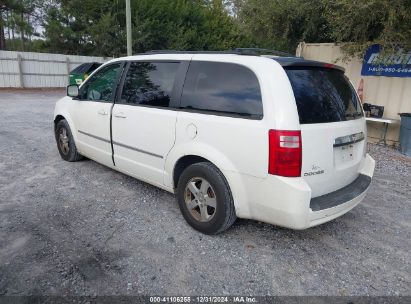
{"x": 223, "y": 88}
{"x": 323, "y": 95}
{"x": 149, "y": 83}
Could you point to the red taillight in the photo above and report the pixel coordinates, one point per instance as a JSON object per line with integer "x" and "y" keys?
{"x": 285, "y": 151}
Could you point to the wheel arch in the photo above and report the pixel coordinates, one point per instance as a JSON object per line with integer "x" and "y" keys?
{"x": 57, "y": 119}
{"x": 191, "y": 152}
{"x": 176, "y": 163}
{"x": 184, "y": 162}
{"x": 60, "y": 116}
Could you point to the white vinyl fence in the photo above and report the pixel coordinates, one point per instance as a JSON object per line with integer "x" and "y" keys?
{"x": 38, "y": 70}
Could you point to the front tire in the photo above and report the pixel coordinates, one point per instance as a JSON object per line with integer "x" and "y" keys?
{"x": 65, "y": 142}
{"x": 205, "y": 198}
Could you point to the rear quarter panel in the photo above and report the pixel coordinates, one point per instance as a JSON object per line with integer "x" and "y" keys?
{"x": 242, "y": 144}
{"x": 237, "y": 146}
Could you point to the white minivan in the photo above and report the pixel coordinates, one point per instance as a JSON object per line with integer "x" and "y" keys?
{"x": 276, "y": 139}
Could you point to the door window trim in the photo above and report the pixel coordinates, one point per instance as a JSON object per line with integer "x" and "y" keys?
{"x": 222, "y": 113}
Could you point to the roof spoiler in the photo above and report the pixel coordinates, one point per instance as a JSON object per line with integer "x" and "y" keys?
{"x": 309, "y": 63}
{"x": 299, "y": 62}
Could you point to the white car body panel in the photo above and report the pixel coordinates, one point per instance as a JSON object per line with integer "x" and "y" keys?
{"x": 142, "y": 138}
{"x": 148, "y": 143}
{"x": 92, "y": 122}
{"x": 319, "y": 154}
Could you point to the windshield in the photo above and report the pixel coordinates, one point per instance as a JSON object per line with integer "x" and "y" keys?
{"x": 323, "y": 95}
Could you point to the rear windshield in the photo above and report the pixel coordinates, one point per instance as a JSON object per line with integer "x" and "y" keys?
{"x": 81, "y": 69}
{"x": 323, "y": 95}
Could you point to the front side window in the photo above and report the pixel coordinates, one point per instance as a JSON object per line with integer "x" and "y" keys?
{"x": 149, "y": 83}
{"x": 224, "y": 88}
{"x": 100, "y": 86}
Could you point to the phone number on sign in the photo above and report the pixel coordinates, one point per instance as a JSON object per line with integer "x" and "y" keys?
{"x": 392, "y": 70}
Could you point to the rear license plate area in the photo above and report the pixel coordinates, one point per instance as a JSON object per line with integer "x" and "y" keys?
{"x": 346, "y": 149}
{"x": 344, "y": 155}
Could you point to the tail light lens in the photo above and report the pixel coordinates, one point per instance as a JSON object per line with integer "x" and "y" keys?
{"x": 285, "y": 153}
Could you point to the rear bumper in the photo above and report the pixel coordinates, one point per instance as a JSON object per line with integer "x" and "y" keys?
{"x": 287, "y": 202}
{"x": 325, "y": 215}
{"x": 341, "y": 196}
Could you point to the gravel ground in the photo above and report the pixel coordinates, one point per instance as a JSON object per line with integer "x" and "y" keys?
{"x": 83, "y": 229}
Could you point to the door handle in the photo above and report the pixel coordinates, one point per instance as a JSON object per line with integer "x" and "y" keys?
{"x": 120, "y": 115}
{"x": 102, "y": 112}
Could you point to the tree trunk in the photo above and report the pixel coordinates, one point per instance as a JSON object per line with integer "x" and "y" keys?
{"x": 29, "y": 33}
{"x": 8, "y": 26}
{"x": 22, "y": 32}
{"x": 12, "y": 32}
{"x": 2, "y": 37}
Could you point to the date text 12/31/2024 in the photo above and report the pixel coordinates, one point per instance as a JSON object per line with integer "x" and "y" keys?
{"x": 203, "y": 299}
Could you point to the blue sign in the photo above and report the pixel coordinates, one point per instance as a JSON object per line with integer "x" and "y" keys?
{"x": 395, "y": 65}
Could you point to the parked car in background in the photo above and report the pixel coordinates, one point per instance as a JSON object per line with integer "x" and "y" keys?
{"x": 81, "y": 73}
{"x": 276, "y": 139}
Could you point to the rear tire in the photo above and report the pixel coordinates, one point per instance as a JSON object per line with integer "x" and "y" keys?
{"x": 205, "y": 198}
{"x": 65, "y": 142}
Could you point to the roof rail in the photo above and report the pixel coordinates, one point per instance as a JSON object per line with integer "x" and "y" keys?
{"x": 237, "y": 51}
{"x": 152, "y": 52}
{"x": 260, "y": 51}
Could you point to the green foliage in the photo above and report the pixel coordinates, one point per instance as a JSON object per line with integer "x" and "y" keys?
{"x": 281, "y": 24}
{"x": 183, "y": 25}
{"x": 359, "y": 24}
{"x": 19, "y": 18}
{"x": 85, "y": 27}
{"x": 356, "y": 24}
{"x": 91, "y": 27}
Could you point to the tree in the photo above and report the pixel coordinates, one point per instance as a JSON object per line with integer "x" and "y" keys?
{"x": 281, "y": 24}
{"x": 90, "y": 27}
{"x": 85, "y": 27}
{"x": 98, "y": 27}
{"x": 20, "y": 18}
{"x": 358, "y": 24}
{"x": 184, "y": 25}
{"x": 354, "y": 24}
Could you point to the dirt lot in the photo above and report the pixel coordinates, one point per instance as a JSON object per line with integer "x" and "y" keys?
{"x": 83, "y": 229}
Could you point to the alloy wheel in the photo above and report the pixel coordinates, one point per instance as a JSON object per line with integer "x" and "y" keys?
{"x": 200, "y": 199}
{"x": 64, "y": 141}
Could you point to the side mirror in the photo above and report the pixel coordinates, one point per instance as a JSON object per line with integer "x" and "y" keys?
{"x": 72, "y": 90}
